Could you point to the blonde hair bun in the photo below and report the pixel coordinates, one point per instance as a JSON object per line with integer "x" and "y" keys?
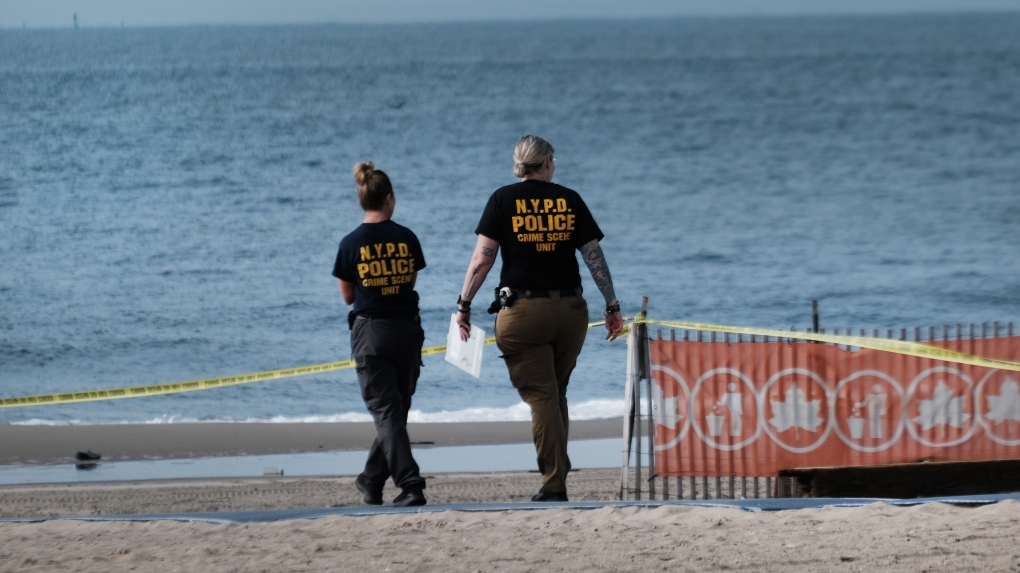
{"x": 363, "y": 172}
{"x": 529, "y": 154}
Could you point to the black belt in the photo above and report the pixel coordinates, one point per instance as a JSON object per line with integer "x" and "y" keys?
{"x": 539, "y": 293}
{"x": 397, "y": 317}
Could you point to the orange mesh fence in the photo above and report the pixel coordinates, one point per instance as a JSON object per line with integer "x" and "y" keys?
{"x": 751, "y": 409}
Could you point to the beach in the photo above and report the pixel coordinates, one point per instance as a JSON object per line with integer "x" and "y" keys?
{"x": 927, "y": 537}
{"x": 57, "y": 445}
{"x": 878, "y": 537}
{"x": 173, "y": 197}
{"x": 38, "y": 444}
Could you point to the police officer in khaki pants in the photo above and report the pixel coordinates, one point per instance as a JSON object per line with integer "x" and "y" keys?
{"x": 542, "y": 318}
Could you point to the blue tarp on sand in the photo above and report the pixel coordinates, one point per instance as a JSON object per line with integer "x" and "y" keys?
{"x": 771, "y": 504}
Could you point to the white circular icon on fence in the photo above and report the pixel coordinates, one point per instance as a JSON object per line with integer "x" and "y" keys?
{"x": 669, "y": 408}
{"x": 868, "y": 407}
{"x": 796, "y": 404}
{"x": 998, "y": 406}
{"x": 941, "y": 413}
{"x": 724, "y": 409}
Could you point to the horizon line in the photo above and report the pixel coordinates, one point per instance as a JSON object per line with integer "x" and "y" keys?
{"x": 515, "y": 20}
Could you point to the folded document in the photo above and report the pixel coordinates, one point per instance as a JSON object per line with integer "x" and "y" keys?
{"x": 465, "y": 355}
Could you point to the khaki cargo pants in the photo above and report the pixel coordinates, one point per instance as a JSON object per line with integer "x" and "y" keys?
{"x": 540, "y": 339}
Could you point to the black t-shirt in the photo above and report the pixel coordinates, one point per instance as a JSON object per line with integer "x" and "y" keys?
{"x": 380, "y": 259}
{"x": 538, "y": 226}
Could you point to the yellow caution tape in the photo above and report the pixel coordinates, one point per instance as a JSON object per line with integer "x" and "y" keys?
{"x": 897, "y": 346}
{"x": 195, "y": 385}
{"x": 175, "y": 388}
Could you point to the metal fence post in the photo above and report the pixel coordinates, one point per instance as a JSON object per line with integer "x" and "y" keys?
{"x": 644, "y": 371}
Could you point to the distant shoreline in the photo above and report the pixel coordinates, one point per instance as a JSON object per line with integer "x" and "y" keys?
{"x": 126, "y": 442}
{"x": 119, "y": 23}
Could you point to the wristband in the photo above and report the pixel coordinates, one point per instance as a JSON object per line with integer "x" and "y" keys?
{"x": 610, "y": 309}
{"x": 463, "y": 305}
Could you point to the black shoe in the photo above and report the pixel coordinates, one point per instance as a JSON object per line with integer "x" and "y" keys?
{"x": 409, "y": 496}
{"x": 545, "y": 495}
{"x": 371, "y": 496}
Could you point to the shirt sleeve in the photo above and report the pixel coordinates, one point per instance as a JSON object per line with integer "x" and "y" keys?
{"x": 419, "y": 255}
{"x": 341, "y": 269}
{"x": 587, "y": 229}
{"x": 489, "y": 224}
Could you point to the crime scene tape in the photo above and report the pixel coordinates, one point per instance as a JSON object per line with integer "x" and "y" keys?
{"x": 174, "y": 388}
{"x": 195, "y": 385}
{"x": 897, "y": 346}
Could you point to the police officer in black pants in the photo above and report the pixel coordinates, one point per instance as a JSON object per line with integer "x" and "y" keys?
{"x": 377, "y": 265}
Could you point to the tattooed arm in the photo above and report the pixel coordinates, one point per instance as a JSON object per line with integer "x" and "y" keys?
{"x": 595, "y": 260}
{"x": 481, "y": 263}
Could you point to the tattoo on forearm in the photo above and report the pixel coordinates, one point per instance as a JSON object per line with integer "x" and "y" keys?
{"x": 475, "y": 283}
{"x": 488, "y": 252}
{"x": 593, "y": 258}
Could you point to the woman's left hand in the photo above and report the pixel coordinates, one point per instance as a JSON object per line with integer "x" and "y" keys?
{"x": 614, "y": 324}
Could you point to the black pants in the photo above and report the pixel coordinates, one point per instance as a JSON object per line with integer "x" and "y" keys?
{"x": 388, "y": 356}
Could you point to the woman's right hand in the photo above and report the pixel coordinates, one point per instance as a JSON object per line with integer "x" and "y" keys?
{"x": 464, "y": 322}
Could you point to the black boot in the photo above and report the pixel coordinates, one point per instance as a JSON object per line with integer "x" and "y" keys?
{"x": 546, "y": 495}
{"x": 409, "y": 496}
{"x": 372, "y": 496}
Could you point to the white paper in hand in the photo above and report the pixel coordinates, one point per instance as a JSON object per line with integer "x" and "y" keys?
{"x": 465, "y": 355}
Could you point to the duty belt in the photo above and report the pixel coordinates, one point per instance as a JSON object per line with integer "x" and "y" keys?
{"x": 539, "y": 293}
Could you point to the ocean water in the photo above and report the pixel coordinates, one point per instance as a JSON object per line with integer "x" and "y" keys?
{"x": 171, "y": 199}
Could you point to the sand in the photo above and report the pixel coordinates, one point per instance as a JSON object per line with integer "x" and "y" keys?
{"x": 876, "y": 537}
